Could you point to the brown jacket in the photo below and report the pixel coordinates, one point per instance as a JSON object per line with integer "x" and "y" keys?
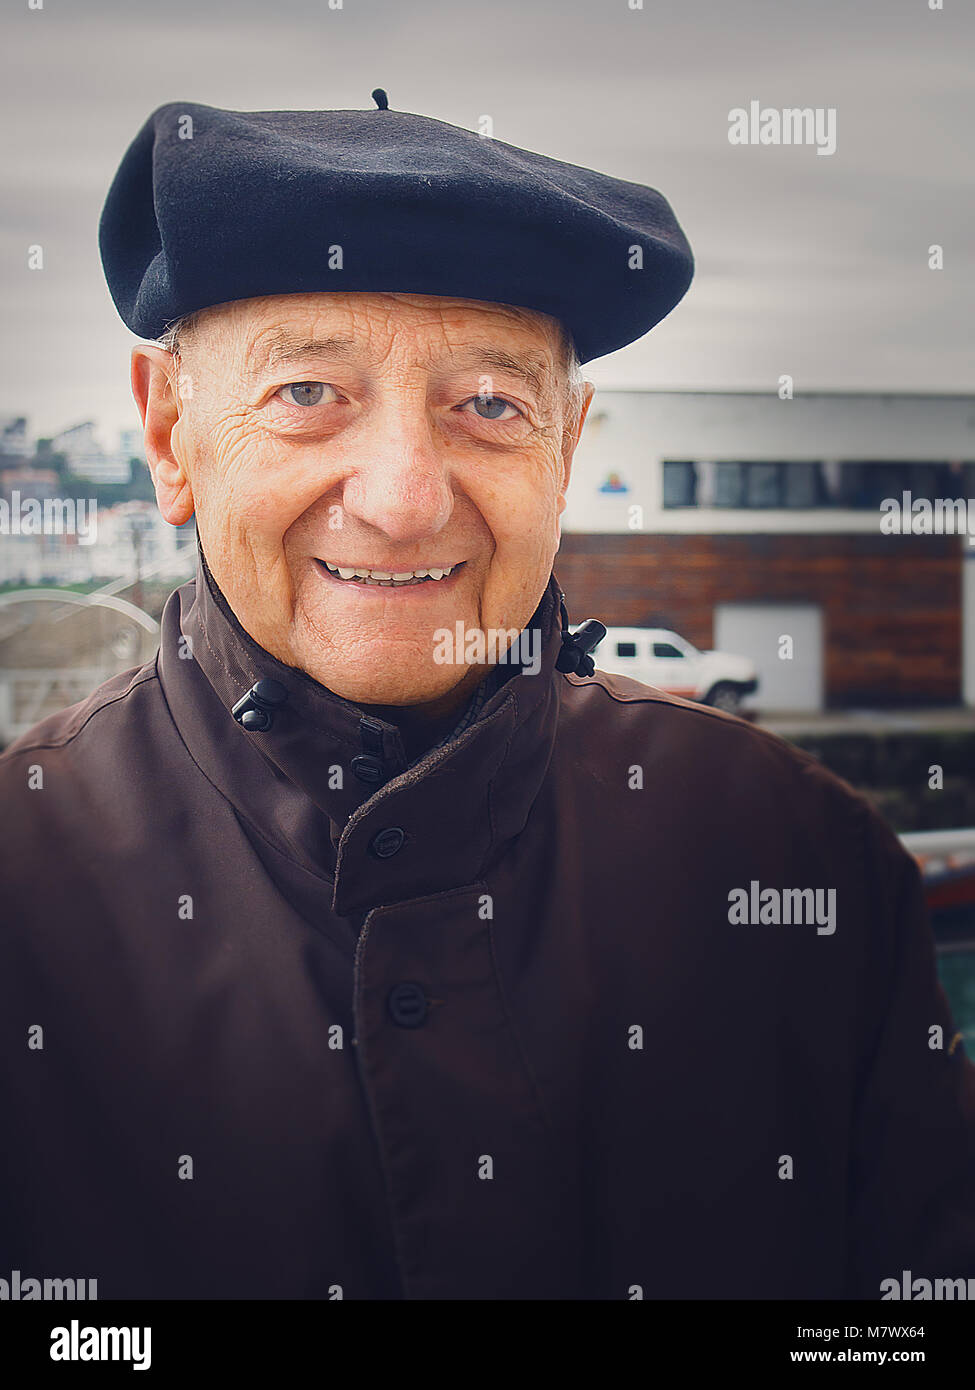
{"x": 485, "y": 1030}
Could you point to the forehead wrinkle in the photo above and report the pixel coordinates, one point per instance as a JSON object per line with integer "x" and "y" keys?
{"x": 276, "y": 346}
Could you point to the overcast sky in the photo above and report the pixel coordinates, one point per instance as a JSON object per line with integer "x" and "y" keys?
{"x": 811, "y": 265}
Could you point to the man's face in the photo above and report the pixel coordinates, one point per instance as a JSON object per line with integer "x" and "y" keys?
{"x": 383, "y": 432}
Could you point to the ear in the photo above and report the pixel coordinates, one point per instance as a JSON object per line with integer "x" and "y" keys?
{"x": 572, "y": 432}
{"x": 154, "y": 387}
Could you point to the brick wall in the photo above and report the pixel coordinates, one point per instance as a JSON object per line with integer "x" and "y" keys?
{"x": 891, "y": 604}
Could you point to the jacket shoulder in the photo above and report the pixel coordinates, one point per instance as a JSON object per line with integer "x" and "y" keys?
{"x": 109, "y": 702}
{"x": 90, "y": 780}
{"x": 636, "y": 703}
{"x": 712, "y": 755}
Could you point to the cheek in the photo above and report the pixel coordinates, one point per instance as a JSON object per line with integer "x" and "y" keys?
{"x": 255, "y": 484}
{"x": 520, "y": 497}
{"x": 529, "y": 510}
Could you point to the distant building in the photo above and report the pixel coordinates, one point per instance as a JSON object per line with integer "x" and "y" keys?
{"x": 85, "y": 457}
{"x": 130, "y": 541}
{"x": 739, "y": 519}
{"x": 134, "y": 541}
{"x": 131, "y": 444}
{"x": 13, "y": 437}
{"x": 30, "y": 482}
{"x": 25, "y": 557}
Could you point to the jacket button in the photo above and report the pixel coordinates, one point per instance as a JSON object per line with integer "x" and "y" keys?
{"x": 407, "y": 1004}
{"x": 388, "y": 842}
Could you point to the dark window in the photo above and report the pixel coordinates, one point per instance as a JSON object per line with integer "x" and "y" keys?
{"x": 626, "y": 649}
{"x": 861, "y": 484}
{"x": 804, "y": 485}
{"x": 864, "y": 485}
{"x": 665, "y": 649}
{"x": 763, "y": 486}
{"x": 680, "y": 485}
{"x": 729, "y": 485}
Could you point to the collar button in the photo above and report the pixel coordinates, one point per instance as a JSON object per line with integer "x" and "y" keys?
{"x": 255, "y": 711}
{"x": 367, "y": 769}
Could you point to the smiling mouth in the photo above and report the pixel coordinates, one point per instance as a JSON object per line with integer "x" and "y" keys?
{"x": 390, "y": 579}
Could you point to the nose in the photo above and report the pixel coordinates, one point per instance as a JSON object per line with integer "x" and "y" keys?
{"x": 401, "y": 484}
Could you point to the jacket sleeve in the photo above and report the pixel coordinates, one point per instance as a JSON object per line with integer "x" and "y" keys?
{"x": 912, "y": 1164}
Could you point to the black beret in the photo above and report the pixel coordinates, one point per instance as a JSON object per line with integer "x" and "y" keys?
{"x": 210, "y": 206}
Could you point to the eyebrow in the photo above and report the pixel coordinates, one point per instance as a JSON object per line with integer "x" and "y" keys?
{"x": 527, "y": 365}
{"x": 280, "y": 349}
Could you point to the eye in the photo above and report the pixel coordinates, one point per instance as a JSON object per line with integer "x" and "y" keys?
{"x": 307, "y": 393}
{"x": 491, "y": 407}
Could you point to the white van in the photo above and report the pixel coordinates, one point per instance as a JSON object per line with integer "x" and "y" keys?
{"x": 665, "y": 660}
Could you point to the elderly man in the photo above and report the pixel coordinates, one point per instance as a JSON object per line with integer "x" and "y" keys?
{"x": 368, "y": 944}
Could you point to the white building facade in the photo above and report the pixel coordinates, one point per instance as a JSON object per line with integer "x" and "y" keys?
{"x": 798, "y": 486}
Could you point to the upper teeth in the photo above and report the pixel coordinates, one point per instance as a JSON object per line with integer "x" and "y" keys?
{"x": 402, "y": 575}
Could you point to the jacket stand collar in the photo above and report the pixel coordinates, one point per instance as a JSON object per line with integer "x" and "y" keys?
{"x": 328, "y": 785}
